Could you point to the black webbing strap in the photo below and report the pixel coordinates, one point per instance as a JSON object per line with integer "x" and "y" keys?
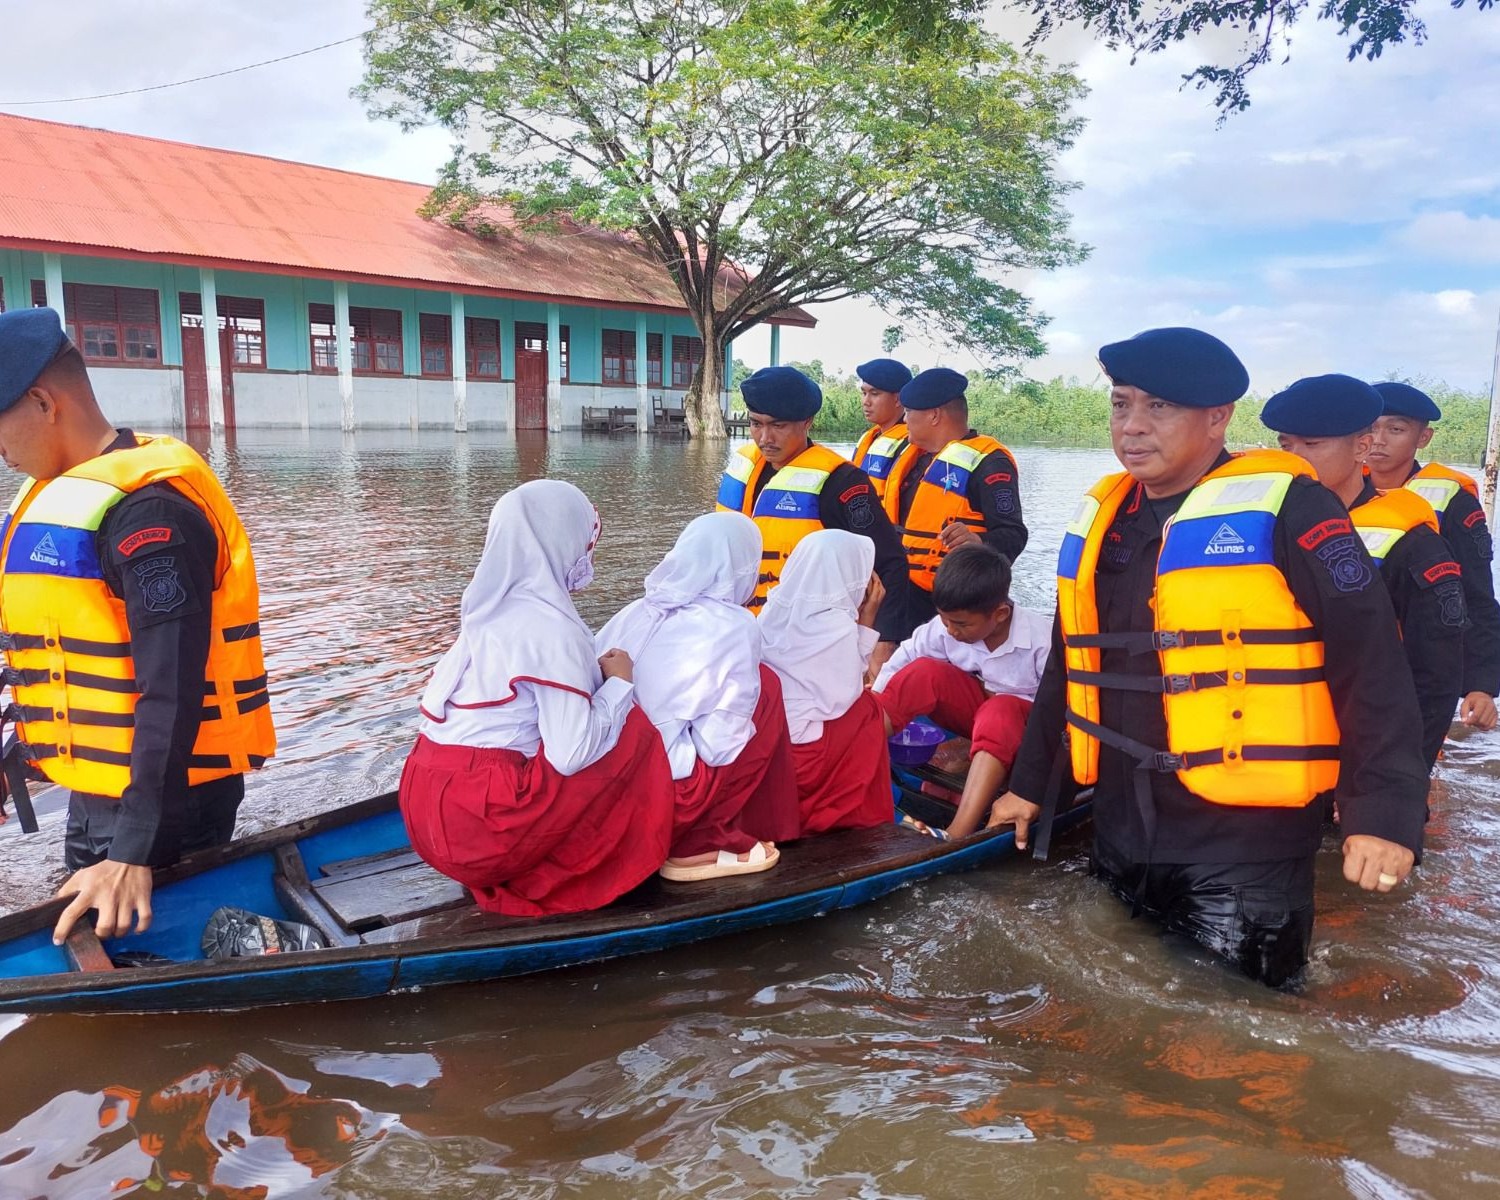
{"x": 1042, "y": 842}
{"x": 1137, "y": 642}
{"x": 13, "y": 782}
{"x": 1176, "y": 685}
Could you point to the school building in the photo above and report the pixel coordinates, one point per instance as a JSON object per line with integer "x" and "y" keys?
{"x": 338, "y": 305}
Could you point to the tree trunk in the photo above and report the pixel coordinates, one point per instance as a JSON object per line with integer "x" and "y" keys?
{"x": 705, "y": 419}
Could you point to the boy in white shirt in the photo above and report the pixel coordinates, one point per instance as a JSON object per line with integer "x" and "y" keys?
{"x": 973, "y": 669}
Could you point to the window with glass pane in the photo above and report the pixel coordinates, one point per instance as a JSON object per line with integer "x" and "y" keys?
{"x": 116, "y": 325}
{"x": 687, "y": 357}
{"x": 653, "y": 359}
{"x": 482, "y": 347}
{"x": 436, "y": 331}
{"x": 619, "y": 356}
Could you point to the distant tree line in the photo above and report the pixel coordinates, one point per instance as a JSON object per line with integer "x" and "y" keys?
{"x": 1067, "y": 412}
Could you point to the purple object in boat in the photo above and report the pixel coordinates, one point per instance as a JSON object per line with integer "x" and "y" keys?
{"x": 916, "y": 743}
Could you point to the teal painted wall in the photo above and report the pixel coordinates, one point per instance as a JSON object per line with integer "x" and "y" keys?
{"x": 286, "y": 299}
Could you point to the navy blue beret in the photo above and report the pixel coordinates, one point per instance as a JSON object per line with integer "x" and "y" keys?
{"x": 1186, "y": 366}
{"x": 782, "y": 393}
{"x": 1323, "y": 406}
{"x": 885, "y": 374}
{"x": 29, "y": 339}
{"x": 1403, "y": 400}
{"x": 933, "y": 388}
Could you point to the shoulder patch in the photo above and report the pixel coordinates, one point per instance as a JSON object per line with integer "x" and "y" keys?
{"x": 145, "y": 537}
{"x": 161, "y": 587}
{"x": 1442, "y": 570}
{"x": 1320, "y": 533}
{"x": 1346, "y": 563}
{"x": 861, "y": 511}
{"x": 1474, "y": 518}
{"x": 998, "y": 477}
{"x": 1453, "y": 609}
{"x": 848, "y": 494}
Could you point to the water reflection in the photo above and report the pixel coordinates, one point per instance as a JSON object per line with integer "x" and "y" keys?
{"x": 1010, "y": 1032}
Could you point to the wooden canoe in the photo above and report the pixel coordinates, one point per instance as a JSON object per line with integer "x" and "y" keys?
{"x": 393, "y": 924}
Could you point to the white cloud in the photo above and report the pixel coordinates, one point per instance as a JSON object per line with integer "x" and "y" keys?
{"x": 1453, "y": 237}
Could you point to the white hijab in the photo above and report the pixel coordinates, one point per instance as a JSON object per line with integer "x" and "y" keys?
{"x": 809, "y": 628}
{"x": 694, "y": 645}
{"x": 517, "y": 619}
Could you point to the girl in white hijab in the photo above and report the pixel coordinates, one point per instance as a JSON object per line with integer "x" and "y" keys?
{"x": 536, "y": 781}
{"x": 817, "y": 634}
{"x": 698, "y": 676}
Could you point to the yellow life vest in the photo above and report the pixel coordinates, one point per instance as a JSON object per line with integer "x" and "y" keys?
{"x": 942, "y": 497}
{"x": 67, "y": 644}
{"x": 786, "y": 510}
{"x": 877, "y": 452}
{"x": 1389, "y": 517}
{"x": 1438, "y": 485}
{"x": 1249, "y": 717}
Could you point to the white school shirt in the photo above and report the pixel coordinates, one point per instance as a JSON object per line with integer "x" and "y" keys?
{"x": 1012, "y": 669}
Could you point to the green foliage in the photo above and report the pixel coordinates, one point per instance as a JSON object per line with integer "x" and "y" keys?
{"x": 767, "y": 152}
{"x": 1069, "y": 413}
{"x": 1262, "y": 28}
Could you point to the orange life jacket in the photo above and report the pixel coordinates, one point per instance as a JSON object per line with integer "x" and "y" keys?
{"x": 786, "y": 510}
{"x": 67, "y": 644}
{"x": 1250, "y": 719}
{"x": 941, "y": 498}
{"x": 1438, "y": 485}
{"x": 1389, "y": 517}
{"x": 877, "y": 452}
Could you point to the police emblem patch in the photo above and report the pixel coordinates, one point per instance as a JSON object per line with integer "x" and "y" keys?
{"x": 861, "y": 512}
{"x": 1005, "y": 500}
{"x": 1452, "y": 611}
{"x": 1345, "y": 563}
{"x": 161, "y": 587}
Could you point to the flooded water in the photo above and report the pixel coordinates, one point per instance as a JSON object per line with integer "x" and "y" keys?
{"x": 1010, "y": 1032}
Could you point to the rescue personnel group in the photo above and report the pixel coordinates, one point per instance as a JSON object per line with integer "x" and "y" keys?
{"x": 1246, "y": 647}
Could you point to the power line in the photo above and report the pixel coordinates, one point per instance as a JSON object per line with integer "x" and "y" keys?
{"x": 157, "y": 87}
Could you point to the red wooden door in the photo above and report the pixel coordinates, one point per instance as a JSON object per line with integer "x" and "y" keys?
{"x": 195, "y": 377}
{"x": 531, "y": 375}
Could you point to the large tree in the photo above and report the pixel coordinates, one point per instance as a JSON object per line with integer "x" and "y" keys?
{"x": 1263, "y": 27}
{"x": 767, "y": 154}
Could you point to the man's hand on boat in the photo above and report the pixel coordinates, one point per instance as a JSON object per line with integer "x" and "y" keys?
{"x": 1010, "y": 809}
{"x": 1477, "y": 710}
{"x": 121, "y": 892}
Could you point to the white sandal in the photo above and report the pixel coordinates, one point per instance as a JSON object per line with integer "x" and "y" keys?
{"x": 727, "y": 863}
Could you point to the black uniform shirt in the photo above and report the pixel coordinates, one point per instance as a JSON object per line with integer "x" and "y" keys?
{"x": 848, "y": 502}
{"x": 1427, "y": 592}
{"x": 1463, "y": 524}
{"x": 1382, "y": 780}
{"x": 159, "y": 553}
{"x": 994, "y": 492}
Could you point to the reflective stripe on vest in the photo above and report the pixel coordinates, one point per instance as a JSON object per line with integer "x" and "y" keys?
{"x": 1249, "y": 717}
{"x": 941, "y": 499}
{"x": 1438, "y": 485}
{"x": 67, "y": 644}
{"x": 1387, "y": 518}
{"x": 877, "y": 452}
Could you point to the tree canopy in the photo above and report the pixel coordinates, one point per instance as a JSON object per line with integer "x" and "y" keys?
{"x": 1264, "y": 27}
{"x": 766, "y": 143}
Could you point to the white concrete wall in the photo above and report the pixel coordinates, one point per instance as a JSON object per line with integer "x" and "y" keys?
{"x": 146, "y": 399}
{"x": 491, "y": 406}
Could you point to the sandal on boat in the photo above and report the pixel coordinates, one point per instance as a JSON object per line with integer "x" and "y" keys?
{"x": 727, "y": 863}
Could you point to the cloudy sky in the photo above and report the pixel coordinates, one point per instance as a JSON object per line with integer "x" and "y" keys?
{"x": 1349, "y": 221}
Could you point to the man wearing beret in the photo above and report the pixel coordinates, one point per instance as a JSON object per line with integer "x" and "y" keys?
{"x": 1327, "y": 420}
{"x": 951, "y": 485}
{"x": 1219, "y": 625}
{"x": 1403, "y": 428}
{"x": 130, "y": 630}
{"x": 880, "y": 384}
{"x": 791, "y": 487}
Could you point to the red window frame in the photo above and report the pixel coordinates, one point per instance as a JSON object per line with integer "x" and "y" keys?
{"x": 482, "y": 347}
{"x": 376, "y": 341}
{"x": 436, "y": 335}
{"x": 617, "y": 349}
{"x": 244, "y": 316}
{"x": 111, "y": 326}
{"x": 687, "y": 356}
{"x": 653, "y": 359}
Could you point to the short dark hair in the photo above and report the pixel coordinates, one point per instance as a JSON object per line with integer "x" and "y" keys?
{"x": 958, "y": 407}
{"x": 973, "y": 578}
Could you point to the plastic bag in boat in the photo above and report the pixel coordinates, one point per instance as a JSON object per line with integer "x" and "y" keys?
{"x": 236, "y": 933}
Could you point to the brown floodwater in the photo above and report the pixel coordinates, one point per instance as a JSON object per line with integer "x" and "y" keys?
{"x": 1009, "y": 1032}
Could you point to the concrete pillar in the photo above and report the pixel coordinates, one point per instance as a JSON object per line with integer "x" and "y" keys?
{"x": 460, "y": 352}
{"x": 642, "y": 390}
{"x": 52, "y": 277}
{"x": 554, "y": 368}
{"x": 776, "y": 345}
{"x": 345, "y": 334}
{"x": 208, "y": 292}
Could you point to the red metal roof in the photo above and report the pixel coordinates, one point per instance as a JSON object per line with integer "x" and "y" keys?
{"x": 74, "y": 190}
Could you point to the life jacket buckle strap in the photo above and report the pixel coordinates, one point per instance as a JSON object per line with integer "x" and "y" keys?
{"x": 1167, "y": 640}
{"x": 1165, "y": 762}
{"x": 1175, "y": 685}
